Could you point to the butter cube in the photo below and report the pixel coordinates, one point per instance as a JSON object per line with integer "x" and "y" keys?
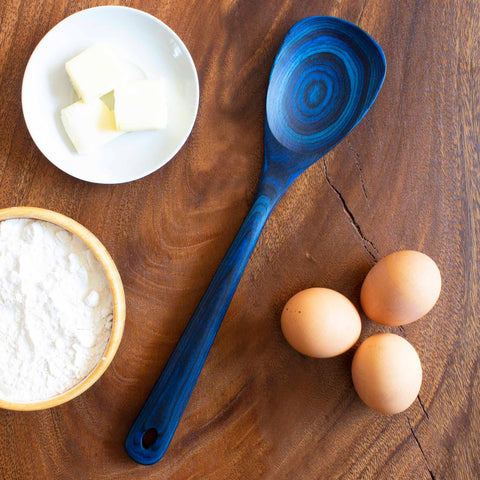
{"x": 141, "y": 105}
{"x": 89, "y": 125}
{"x": 95, "y": 72}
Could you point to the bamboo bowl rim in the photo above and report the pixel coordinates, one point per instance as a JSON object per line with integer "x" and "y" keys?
{"x": 116, "y": 287}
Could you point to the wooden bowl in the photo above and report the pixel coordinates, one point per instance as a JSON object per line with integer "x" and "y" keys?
{"x": 116, "y": 287}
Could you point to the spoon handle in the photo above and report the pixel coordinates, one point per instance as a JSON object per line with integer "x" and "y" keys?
{"x": 165, "y": 405}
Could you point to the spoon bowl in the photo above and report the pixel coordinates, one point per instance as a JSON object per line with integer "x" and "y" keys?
{"x": 326, "y": 76}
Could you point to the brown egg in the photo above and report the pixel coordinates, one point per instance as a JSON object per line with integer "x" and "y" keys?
{"x": 401, "y": 288}
{"x": 387, "y": 373}
{"x": 320, "y": 322}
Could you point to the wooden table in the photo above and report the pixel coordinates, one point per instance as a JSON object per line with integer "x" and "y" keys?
{"x": 407, "y": 177}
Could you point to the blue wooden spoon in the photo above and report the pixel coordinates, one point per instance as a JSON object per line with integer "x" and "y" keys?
{"x": 326, "y": 76}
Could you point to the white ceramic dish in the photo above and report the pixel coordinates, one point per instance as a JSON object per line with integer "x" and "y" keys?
{"x": 154, "y": 48}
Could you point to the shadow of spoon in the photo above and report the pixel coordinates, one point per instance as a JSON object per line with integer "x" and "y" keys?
{"x": 325, "y": 78}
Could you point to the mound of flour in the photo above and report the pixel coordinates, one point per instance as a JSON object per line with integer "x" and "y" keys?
{"x": 55, "y": 310}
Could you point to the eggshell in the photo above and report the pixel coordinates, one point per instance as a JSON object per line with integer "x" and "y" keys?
{"x": 320, "y": 322}
{"x": 387, "y": 373}
{"x": 401, "y": 288}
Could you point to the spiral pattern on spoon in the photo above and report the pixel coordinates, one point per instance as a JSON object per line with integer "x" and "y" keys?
{"x": 319, "y": 83}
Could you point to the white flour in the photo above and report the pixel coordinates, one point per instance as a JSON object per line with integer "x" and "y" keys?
{"x": 55, "y": 310}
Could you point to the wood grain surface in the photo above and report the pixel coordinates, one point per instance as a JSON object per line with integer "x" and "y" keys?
{"x": 407, "y": 177}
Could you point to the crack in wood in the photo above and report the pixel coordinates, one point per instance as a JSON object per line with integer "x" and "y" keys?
{"x": 358, "y": 166}
{"x": 362, "y": 182}
{"x": 361, "y": 12}
{"x": 417, "y": 441}
{"x": 369, "y": 246}
{"x": 423, "y": 406}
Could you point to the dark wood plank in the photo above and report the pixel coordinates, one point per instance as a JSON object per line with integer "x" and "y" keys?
{"x": 407, "y": 177}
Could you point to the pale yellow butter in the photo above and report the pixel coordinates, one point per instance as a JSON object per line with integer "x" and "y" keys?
{"x": 89, "y": 125}
{"x": 95, "y": 72}
{"x": 141, "y": 105}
